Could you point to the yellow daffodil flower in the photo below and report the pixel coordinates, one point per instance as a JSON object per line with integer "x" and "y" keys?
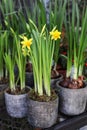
{"x": 55, "y": 34}
{"x": 26, "y": 43}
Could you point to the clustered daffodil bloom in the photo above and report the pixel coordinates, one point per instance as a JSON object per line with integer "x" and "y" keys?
{"x": 41, "y": 55}
{"x": 26, "y": 43}
{"x": 55, "y": 34}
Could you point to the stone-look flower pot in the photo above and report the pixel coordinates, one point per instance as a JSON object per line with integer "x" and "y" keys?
{"x": 42, "y": 114}
{"x": 71, "y": 101}
{"x": 2, "y": 99}
{"x": 29, "y": 79}
{"x": 86, "y": 93}
{"x": 83, "y": 128}
{"x": 16, "y": 105}
{"x": 54, "y": 80}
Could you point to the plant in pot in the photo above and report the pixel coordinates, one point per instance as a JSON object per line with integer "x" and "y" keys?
{"x": 29, "y": 79}
{"x": 51, "y": 17}
{"x": 56, "y": 17}
{"x": 72, "y": 88}
{"x": 42, "y": 100}
{"x": 3, "y": 74}
{"x": 16, "y": 95}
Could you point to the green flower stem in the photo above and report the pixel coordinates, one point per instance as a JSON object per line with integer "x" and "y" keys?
{"x": 77, "y": 42}
{"x": 21, "y": 63}
{"x": 41, "y": 55}
{"x": 10, "y": 63}
{"x": 3, "y": 49}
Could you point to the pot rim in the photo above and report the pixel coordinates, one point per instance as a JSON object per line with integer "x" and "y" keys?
{"x": 69, "y": 89}
{"x": 5, "y": 91}
{"x": 57, "y": 98}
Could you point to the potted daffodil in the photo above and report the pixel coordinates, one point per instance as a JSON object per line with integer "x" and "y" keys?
{"x": 56, "y": 16}
{"x": 3, "y": 72}
{"x": 29, "y": 79}
{"x": 72, "y": 88}
{"x": 42, "y": 100}
{"x": 16, "y": 94}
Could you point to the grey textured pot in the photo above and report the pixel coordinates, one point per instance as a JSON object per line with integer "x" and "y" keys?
{"x": 2, "y": 99}
{"x": 86, "y": 93}
{"x": 29, "y": 79}
{"x": 71, "y": 101}
{"x": 42, "y": 114}
{"x": 16, "y": 105}
{"x": 83, "y": 128}
{"x": 53, "y": 81}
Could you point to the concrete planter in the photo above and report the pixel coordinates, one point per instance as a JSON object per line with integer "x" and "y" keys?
{"x": 83, "y": 128}
{"x": 86, "y": 93}
{"x": 16, "y": 105}
{"x": 2, "y": 98}
{"x": 71, "y": 101}
{"x": 42, "y": 114}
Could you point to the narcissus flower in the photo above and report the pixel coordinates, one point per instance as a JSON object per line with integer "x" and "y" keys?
{"x": 26, "y": 43}
{"x": 55, "y": 34}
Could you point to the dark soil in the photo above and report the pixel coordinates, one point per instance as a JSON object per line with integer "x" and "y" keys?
{"x": 72, "y": 83}
{"x": 44, "y": 98}
{"x": 17, "y": 91}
